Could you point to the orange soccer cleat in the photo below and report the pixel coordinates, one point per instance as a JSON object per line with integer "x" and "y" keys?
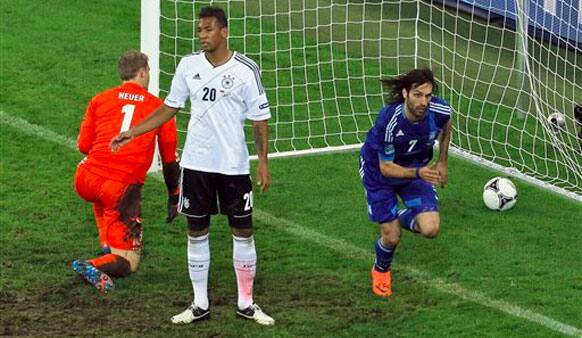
{"x": 381, "y": 283}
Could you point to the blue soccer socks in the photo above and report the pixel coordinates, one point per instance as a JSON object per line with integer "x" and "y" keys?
{"x": 384, "y": 255}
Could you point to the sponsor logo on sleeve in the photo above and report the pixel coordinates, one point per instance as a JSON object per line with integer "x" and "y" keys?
{"x": 431, "y": 137}
{"x": 389, "y": 149}
{"x": 264, "y": 105}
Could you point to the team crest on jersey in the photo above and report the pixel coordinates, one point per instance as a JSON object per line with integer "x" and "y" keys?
{"x": 227, "y": 81}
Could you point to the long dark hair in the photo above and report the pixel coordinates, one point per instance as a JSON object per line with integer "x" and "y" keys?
{"x": 408, "y": 81}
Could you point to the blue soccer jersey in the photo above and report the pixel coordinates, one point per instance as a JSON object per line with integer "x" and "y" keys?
{"x": 394, "y": 138}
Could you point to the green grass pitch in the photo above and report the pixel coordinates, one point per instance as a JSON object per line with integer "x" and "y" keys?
{"x": 511, "y": 274}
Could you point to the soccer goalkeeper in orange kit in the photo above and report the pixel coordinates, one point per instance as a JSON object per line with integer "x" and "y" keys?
{"x": 112, "y": 182}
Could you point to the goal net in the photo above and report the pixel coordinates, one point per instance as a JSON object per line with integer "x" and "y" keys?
{"x": 504, "y": 66}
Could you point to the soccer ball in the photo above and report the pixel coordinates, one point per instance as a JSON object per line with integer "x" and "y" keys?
{"x": 499, "y": 194}
{"x": 557, "y": 121}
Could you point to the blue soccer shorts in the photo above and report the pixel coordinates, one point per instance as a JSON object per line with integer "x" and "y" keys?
{"x": 416, "y": 194}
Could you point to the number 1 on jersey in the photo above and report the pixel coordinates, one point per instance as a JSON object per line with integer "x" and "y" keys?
{"x": 127, "y": 111}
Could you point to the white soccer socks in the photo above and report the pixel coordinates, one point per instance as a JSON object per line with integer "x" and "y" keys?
{"x": 244, "y": 257}
{"x": 198, "y": 265}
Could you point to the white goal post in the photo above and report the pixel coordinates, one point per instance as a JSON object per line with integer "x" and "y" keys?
{"x": 504, "y": 66}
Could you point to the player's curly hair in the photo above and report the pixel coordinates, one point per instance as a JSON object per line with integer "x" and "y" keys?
{"x": 130, "y": 63}
{"x": 414, "y": 78}
{"x": 214, "y": 12}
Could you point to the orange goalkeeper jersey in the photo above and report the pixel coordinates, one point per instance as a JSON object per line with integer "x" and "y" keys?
{"x": 116, "y": 110}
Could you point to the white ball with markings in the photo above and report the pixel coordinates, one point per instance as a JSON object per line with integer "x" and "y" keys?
{"x": 499, "y": 194}
{"x": 557, "y": 122}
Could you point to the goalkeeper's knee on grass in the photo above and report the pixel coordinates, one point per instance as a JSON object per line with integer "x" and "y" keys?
{"x": 113, "y": 265}
{"x": 132, "y": 257}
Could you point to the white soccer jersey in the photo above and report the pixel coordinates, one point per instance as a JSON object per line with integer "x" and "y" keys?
{"x": 222, "y": 98}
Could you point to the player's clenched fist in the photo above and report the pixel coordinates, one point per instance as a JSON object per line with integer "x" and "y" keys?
{"x": 120, "y": 140}
{"x": 430, "y": 175}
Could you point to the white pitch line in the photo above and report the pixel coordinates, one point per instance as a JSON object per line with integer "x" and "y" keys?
{"x": 36, "y": 130}
{"x": 351, "y": 251}
{"x": 346, "y": 249}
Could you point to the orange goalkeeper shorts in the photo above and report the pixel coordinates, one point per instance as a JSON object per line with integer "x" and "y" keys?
{"x": 121, "y": 207}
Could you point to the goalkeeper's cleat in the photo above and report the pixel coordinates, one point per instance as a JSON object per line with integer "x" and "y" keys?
{"x": 191, "y": 314}
{"x": 255, "y": 313}
{"x": 94, "y": 276}
{"x": 381, "y": 283}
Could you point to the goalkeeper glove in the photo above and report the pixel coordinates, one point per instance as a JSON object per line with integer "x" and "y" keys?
{"x": 172, "y": 207}
{"x": 171, "y": 177}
